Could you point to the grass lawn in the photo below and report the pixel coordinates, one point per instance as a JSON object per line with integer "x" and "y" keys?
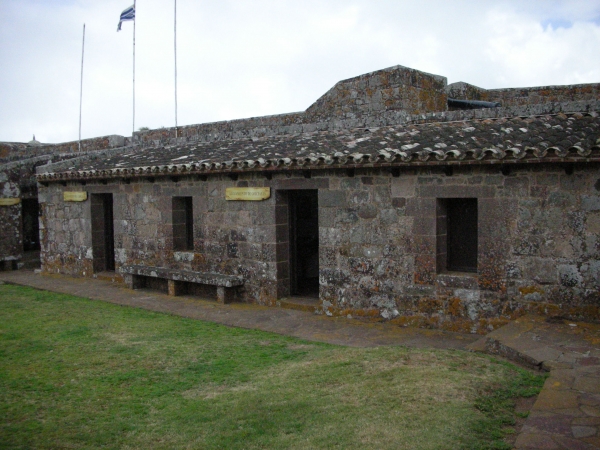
{"x": 76, "y": 373}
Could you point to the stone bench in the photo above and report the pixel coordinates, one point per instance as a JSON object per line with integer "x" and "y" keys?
{"x": 226, "y": 284}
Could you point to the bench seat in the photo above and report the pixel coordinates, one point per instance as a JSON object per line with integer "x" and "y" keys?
{"x": 226, "y": 284}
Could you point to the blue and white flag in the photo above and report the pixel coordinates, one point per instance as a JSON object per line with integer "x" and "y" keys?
{"x": 128, "y": 14}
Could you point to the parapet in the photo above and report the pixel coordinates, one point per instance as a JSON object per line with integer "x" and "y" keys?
{"x": 394, "y": 88}
{"x": 14, "y": 151}
{"x": 523, "y": 97}
{"x": 388, "y": 96}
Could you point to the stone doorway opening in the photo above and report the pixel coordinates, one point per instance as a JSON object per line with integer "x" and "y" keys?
{"x": 31, "y": 224}
{"x": 30, "y": 211}
{"x": 304, "y": 242}
{"x": 103, "y": 233}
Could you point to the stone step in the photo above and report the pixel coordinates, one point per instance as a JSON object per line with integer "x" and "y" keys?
{"x": 512, "y": 342}
{"x": 478, "y": 346}
{"x": 113, "y": 277}
{"x": 31, "y": 264}
{"x": 309, "y": 304}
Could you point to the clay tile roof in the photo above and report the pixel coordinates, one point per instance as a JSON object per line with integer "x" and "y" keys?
{"x": 530, "y": 139}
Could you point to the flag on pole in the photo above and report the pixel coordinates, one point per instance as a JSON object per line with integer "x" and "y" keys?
{"x": 127, "y": 14}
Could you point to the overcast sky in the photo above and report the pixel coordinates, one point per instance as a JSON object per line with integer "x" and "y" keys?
{"x": 249, "y": 58}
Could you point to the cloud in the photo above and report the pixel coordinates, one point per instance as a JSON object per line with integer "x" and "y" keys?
{"x": 239, "y": 59}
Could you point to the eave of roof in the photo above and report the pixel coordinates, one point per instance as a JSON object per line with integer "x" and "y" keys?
{"x": 541, "y": 139}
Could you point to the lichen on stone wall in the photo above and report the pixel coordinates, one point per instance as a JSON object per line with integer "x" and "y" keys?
{"x": 381, "y": 179}
{"x": 11, "y": 243}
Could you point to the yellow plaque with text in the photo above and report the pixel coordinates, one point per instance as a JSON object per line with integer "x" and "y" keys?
{"x": 9, "y": 201}
{"x": 248, "y": 193}
{"x": 77, "y": 196}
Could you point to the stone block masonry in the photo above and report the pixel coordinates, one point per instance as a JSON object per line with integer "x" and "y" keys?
{"x": 396, "y": 88}
{"x": 393, "y": 96}
{"x": 379, "y": 237}
{"x": 459, "y": 219}
{"x": 11, "y": 246}
{"x": 18, "y": 164}
{"x": 523, "y": 97}
{"x": 14, "y": 151}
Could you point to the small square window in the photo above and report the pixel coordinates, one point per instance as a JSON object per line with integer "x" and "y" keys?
{"x": 457, "y": 235}
{"x": 183, "y": 224}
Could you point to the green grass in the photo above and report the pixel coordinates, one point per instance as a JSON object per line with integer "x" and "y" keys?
{"x": 76, "y": 373}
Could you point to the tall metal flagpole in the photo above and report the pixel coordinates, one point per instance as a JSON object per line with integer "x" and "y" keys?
{"x": 133, "y": 125}
{"x": 81, "y": 85}
{"x": 175, "y": 45}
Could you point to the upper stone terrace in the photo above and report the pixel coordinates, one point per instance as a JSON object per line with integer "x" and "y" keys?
{"x": 393, "y": 96}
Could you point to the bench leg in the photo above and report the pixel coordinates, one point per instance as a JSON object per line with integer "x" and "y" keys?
{"x": 224, "y": 294}
{"x": 174, "y": 287}
{"x": 128, "y": 280}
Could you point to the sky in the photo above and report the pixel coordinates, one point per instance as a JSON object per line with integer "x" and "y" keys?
{"x": 238, "y": 59}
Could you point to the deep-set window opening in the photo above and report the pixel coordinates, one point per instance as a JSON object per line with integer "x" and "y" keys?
{"x": 457, "y": 235}
{"x": 183, "y": 224}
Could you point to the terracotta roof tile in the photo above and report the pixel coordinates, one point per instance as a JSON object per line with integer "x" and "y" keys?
{"x": 541, "y": 138}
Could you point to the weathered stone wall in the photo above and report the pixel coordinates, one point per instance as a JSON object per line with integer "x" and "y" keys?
{"x": 392, "y": 95}
{"x": 18, "y": 163}
{"x": 20, "y": 175}
{"x": 11, "y": 244}
{"x": 65, "y": 232}
{"x": 515, "y": 97}
{"x": 235, "y": 238}
{"x": 17, "y": 180}
{"x": 381, "y": 230}
{"x": 395, "y": 88}
{"x": 545, "y": 94}
{"x": 539, "y": 239}
{"x": 13, "y": 151}
{"x": 539, "y": 247}
{"x": 257, "y": 128}
{"x": 273, "y": 125}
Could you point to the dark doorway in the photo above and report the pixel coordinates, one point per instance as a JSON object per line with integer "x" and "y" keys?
{"x": 304, "y": 242}
{"x": 462, "y": 234}
{"x": 103, "y": 233}
{"x": 31, "y": 224}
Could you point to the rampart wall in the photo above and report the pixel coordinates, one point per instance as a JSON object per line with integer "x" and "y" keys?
{"x": 14, "y": 151}
{"x": 523, "y": 97}
{"x": 392, "y": 96}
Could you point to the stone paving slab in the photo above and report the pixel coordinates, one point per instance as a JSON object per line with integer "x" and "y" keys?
{"x": 301, "y": 324}
{"x": 566, "y": 414}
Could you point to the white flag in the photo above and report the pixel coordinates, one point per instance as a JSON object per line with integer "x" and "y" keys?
{"x": 128, "y": 14}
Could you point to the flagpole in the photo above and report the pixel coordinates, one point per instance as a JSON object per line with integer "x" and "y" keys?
{"x": 81, "y": 85}
{"x": 175, "y": 45}
{"x": 133, "y": 125}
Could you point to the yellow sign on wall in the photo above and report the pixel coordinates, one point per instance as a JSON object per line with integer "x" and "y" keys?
{"x": 248, "y": 193}
{"x": 77, "y": 196}
{"x": 9, "y": 201}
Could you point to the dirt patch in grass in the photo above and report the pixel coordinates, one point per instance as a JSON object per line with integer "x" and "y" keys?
{"x": 76, "y": 373}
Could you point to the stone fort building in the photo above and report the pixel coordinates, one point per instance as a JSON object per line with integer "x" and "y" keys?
{"x": 394, "y": 196}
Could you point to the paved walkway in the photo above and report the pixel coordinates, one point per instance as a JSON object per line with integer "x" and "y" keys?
{"x": 289, "y": 322}
{"x": 566, "y": 414}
